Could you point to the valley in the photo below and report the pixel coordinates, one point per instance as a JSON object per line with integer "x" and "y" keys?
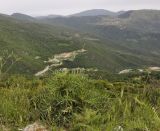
{"x": 113, "y": 42}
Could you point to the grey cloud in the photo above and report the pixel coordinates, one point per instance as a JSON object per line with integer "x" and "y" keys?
{"x": 42, "y": 7}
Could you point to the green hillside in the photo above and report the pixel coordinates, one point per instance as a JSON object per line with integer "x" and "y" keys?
{"x": 76, "y": 102}
{"x": 29, "y": 40}
{"x": 108, "y": 47}
{"x": 132, "y": 33}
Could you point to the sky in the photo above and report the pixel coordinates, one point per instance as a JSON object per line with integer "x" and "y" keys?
{"x": 66, "y": 7}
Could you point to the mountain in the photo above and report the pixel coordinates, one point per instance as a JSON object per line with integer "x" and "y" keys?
{"x": 134, "y": 20}
{"x": 35, "y": 43}
{"x": 22, "y": 17}
{"x": 112, "y": 43}
{"x": 95, "y": 12}
{"x": 31, "y": 40}
{"x": 136, "y": 30}
{"x": 139, "y": 27}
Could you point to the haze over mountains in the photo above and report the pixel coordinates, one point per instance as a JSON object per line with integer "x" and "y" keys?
{"x": 98, "y": 12}
{"x": 93, "y": 12}
{"x": 113, "y": 40}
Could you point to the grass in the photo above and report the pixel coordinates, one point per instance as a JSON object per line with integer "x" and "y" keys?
{"x": 77, "y": 102}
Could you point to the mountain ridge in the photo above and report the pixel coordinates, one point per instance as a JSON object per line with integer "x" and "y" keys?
{"x": 21, "y": 16}
{"x": 94, "y": 12}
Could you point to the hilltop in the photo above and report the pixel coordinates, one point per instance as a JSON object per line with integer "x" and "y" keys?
{"x": 96, "y": 12}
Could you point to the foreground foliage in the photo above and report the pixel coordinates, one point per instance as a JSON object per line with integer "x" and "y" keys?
{"x": 77, "y": 102}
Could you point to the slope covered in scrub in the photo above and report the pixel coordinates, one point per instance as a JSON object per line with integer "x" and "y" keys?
{"x": 76, "y": 102}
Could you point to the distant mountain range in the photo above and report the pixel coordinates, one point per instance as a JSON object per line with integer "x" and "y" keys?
{"x": 114, "y": 40}
{"x": 94, "y": 12}
{"x": 98, "y": 12}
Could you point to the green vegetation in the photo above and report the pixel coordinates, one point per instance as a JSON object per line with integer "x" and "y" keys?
{"x": 109, "y": 48}
{"x": 78, "y": 102}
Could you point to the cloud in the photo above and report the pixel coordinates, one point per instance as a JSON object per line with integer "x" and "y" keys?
{"x": 42, "y": 7}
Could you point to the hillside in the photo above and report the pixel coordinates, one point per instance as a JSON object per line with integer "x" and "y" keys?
{"x": 76, "y": 102}
{"x": 35, "y": 43}
{"x": 30, "y": 40}
{"x": 136, "y": 31}
{"x": 135, "y": 20}
{"x": 109, "y": 47}
{"x": 22, "y": 17}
